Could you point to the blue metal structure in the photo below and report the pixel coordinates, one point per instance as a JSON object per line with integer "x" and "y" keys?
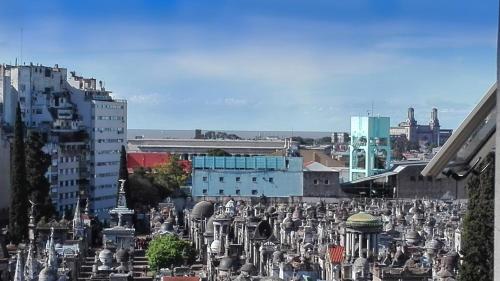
{"x": 370, "y": 149}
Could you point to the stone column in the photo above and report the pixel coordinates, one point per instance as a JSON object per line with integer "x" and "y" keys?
{"x": 353, "y": 244}
{"x": 360, "y": 246}
{"x": 368, "y": 244}
{"x": 347, "y": 245}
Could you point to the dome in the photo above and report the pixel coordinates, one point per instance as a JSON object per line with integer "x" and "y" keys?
{"x": 47, "y": 275}
{"x": 433, "y": 244}
{"x": 106, "y": 256}
{"x": 249, "y": 268}
{"x": 202, "y": 210}
{"x": 363, "y": 220}
{"x": 226, "y": 263}
{"x": 122, "y": 255}
{"x": 360, "y": 262}
{"x": 215, "y": 246}
{"x": 210, "y": 225}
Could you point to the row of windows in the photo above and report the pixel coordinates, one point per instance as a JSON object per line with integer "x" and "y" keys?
{"x": 67, "y": 195}
{"x": 67, "y": 159}
{"x": 68, "y": 171}
{"x": 238, "y": 179}
{"x": 103, "y": 175}
{"x": 111, "y": 151}
{"x": 316, "y": 182}
{"x": 110, "y": 163}
{"x": 66, "y": 207}
{"x": 103, "y": 186}
{"x": 109, "y": 106}
{"x": 107, "y": 130}
{"x": 115, "y": 118}
{"x": 107, "y": 197}
{"x": 109, "y": 140}
{"x": 67, "y": 183}
{"x": 237, "y": 192}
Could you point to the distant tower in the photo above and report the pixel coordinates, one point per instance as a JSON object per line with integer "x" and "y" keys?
{"x": 412, "y": 125}
{"x": 370, "y": 149}
{"x": 435, "y": 127}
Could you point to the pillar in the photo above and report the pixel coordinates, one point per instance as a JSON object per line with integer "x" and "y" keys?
{"x": 368, "y": 244}
{"x": 353, "y": 245}
{"x": 360, "y": 254}
{"x": 347, "y": 244}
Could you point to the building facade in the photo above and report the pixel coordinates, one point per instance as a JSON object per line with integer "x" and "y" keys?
{"x": 271, "y": 176}
{"x": 424, "y": 135}
{"x": 83, "y": 124}
{"x": 370, "y": 149}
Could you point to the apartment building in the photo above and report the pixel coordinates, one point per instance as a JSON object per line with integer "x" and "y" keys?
{"x": 83, "y": 124}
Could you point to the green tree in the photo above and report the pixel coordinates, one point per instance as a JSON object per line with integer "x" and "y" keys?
{"x": 170, "y": 176}
{"x": 143, "y": 190}
{"x": 169, "y": 251}
{"x": 217, "y": 152}
{"x": 18, "y": 212}
{"x": 477, "y": 235}
{"x": 37, "y": 163}
{"x": 123, "y": 174}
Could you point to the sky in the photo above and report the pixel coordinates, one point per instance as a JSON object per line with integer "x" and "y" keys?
{"x": 303, "y": 65}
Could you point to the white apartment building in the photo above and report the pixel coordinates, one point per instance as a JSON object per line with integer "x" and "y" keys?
{"x": 84, "y": 125}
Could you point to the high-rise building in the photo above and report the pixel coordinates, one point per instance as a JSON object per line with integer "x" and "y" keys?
{"x": 84, "y": 127}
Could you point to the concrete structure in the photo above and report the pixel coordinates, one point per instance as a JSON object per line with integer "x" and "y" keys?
{"x": 85, "y": 128}
{"x": 370, "y": 149}
{"x": 4, "y": 171}
{"x": 404, "y": 180}
{"x": 187, "y": 148}
{"x": 272, "y": 176}
{"x": 425, "y": 135}
{"x": 321, "y": 181}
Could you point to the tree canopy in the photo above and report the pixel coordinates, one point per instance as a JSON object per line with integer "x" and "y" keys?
{"x": 18, "y": 212}
{"x": 478, "y": 223}
{"x": 217, "y": 152}
{"x": 170, "y": 176}
{"x": 169, "y": 251}
{"x": 37, "y": 164}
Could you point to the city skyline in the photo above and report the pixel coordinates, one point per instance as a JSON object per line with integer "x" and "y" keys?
{"x": 288, "y": 66}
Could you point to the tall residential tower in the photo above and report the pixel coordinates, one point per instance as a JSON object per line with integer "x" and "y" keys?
{"x": 84, "y": 127}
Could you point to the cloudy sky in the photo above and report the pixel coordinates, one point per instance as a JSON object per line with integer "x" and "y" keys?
{"x": 266, "y": 64}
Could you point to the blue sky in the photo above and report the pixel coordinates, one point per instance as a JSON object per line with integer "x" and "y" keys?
{"x": 266, "y": 64}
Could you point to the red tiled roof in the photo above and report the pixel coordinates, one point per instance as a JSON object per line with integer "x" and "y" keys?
{"x": 180, "y": 278}
{"x": 336, "y": 254}
{"x": 150, "y": 160}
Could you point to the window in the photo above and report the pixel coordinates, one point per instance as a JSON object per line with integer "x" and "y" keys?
{"x": 315, "y": 182}
{"x": 271, "y": 180}
{"x": 238, "y": 179}
{"x": 254, "y": 179}
{"x": 205, "y": 179}
{"x": 327, "y": 182}
{"x": 429, "y": 178}
{"x": 221, "y": 191}
{"x": 420, "y": 178}
{"x": 204, "y": 191}
{"x": 237, "y": 192}
{"x": 221, "y": 179}
{"x": 412, "y": 178}
{"x": 254, "y": 192}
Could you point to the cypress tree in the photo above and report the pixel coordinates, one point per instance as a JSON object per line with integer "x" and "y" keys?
{"x": 123, "y": 174}
{"x": 477, "y": 233}
{"x": 18, "y": 212}
{"x": 37, "y": 163}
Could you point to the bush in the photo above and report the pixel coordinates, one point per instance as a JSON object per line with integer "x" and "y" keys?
{"x": 169, "y": 251}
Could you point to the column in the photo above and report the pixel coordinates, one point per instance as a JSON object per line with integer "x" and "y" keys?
{"x": 353, "y": 245}
{"x": 360, "y": 246}
{"x": 347, "y": 245}
{"x": 368, "y": 244}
